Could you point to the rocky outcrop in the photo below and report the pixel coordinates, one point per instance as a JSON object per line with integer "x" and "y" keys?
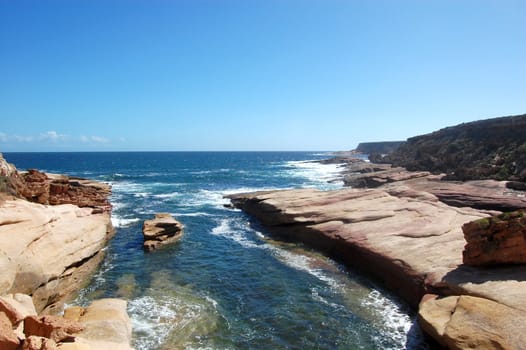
{"x": 104, "y": 325}
{"x": 467, "y": 322}
{"x": 49, "y": 251}
{"x": 161, "y": 230}
{"x": 496, "y": 240}
{"x": 383, "y": 147}
{"x": 485, "y": 149}
{"x": 378, "y": 178}
{"x": 410, "y": 241}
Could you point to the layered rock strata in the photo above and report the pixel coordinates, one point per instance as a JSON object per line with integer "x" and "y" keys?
{"x": 161, "y": 230}
{"x": 48, "y": 251}
{"x": 497, "y": 240}
{"x": 406, "y": 238}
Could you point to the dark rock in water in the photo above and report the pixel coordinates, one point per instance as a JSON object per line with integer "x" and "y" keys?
{"x": 486, "y": 149}
{"x": 161, "y": 230}
{"x": 496, "y": 240}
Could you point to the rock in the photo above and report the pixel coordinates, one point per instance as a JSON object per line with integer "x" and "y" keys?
{"x": 17, "y": 307}
{"x": 467, "y": 322}
{"x": 485, "y": 149}
{"x": 36, "y": 187}
{"x": 39, "y": 343}
{"x": 8, "y": 338}
{"x": 497, "y": 240}
{"x": 391, "y": 235}
{"x": 106, "y": 324}
{"x": 32, "y": 264}
{"x": 378, "y": 178}
{"x": 516, "y": 185}
{"x": 53, "y": 327}
{"x": 161, "y": 230}
{"x": 77, "y": 346}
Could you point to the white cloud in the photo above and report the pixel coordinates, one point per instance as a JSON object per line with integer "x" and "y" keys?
{"x": 52, "y": 136}
{"x": 96, "y": 139}
{"x": 19, "y": 138}
{"x": 3, "y": 137}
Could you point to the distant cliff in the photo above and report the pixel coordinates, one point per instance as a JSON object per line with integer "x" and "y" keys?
{"x": 378, "y": 147}
{"x": 486, "y": 149}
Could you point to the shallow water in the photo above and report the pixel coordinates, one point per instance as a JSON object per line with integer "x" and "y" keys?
{"x": 226, "y": 284}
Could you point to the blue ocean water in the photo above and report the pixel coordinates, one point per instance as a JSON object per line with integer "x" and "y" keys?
{"x": 226, "y": 284}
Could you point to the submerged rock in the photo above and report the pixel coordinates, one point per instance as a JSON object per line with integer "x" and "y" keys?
{"x": 497, "y": 240}
{"x": 161, "y": 230}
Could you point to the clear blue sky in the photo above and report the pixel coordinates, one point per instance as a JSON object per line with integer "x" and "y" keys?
{"x": 252, "y": 74}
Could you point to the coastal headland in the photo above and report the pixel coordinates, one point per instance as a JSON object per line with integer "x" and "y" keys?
{"x": 408, "y": 229}
{"x": 53, "y": 231}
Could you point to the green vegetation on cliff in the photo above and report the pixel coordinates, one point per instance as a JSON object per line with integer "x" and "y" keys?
{"x": 486, "y": 149}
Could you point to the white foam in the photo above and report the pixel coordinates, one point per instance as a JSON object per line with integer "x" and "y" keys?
{"x": 396, "y": 323}
{"x": 122, "y": 222}
{"x": 304, "y": 263}
{"x": 225, "y": 229}
{"x": 170, "y": 195}
{"x": 317, "y": 174}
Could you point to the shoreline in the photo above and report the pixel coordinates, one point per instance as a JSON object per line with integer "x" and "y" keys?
{"x": 413, "y": 256}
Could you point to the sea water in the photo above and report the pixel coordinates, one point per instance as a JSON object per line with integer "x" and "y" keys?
{"x": 226, "y": 284}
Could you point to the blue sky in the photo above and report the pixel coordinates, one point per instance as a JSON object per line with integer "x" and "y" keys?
{"x": 252, "y": 75}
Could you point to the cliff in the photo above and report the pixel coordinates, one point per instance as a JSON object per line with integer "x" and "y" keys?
{"x": 486, "y": 149}
{"x": 384, "y": 147}
{"x": 48, "y": 251}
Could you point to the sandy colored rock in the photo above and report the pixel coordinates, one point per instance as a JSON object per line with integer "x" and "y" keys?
{"x": 8, "y": 338}
{"x": 408, "y": 239}
{"x": 17, "y": 307}
{"x": 52, "y": 327}
{"x": 467, "y": 322}
{"x": 106, "y": 324}
{"x": 75, "y": 346}
{"x": 161, "y": 230}
{"x": 497, "y": 240}
{"x": 39, "y": 343}
{"x": 32, "y": 264}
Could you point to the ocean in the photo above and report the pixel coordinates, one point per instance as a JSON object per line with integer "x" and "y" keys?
{"x": 226, "y": 284}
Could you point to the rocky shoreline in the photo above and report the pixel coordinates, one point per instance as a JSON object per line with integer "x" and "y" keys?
{"x": 407, "y": 232}
{"x": 53, "y": 231}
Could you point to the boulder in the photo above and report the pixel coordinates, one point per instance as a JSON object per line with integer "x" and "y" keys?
{"x": 8, "y": 338}
{"x": 39, "y": 343}
{"x": 36, "y": 187}
{"x": 468, "y": 322}
{"x": 53, "y": 327}
{"x": 17, "y": 307}
{"x": 161, "y": 230}
{"x": 496, "y": 240}
{"x": 106, "y": 324}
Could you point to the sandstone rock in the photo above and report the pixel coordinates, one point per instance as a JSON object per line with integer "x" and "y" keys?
{"x": 106, "y": 324}
{"x": 393, "y": 236}
{"x": 467, "y": 322}
{"x": 17, "y": 307}
{"x": 77, "y": 346}
{"x": 161, "y": 230}
{"x": 39, "y": 343}
{"x": 53, "y": 327}
{"x": 497, "y": 240}
{"x": 32, "y": 264}
{"x": 378, "y": 178}
{"x": 8, "y": 338}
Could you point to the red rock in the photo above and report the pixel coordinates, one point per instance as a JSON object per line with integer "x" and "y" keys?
{"x": 497, "y": 240}
{"x": 39, "y": 343}
{"x": 52, "y": 327}
{"x": 8, "y": 338}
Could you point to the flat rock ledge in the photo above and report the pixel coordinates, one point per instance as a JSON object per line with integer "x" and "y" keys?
{"x": 161, "y": 230}
{"x": 410, "y": 241}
